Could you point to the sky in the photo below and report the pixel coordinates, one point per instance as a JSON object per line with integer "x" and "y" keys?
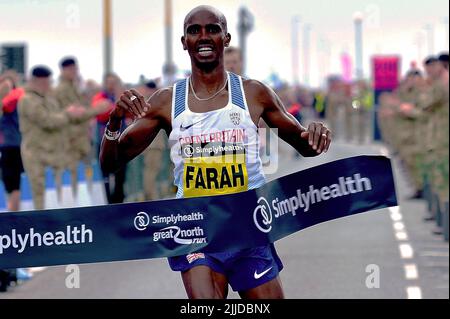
{"x": 56, "y": 28}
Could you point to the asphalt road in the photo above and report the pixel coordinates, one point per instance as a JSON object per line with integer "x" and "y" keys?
{"x": 329, "y": 260}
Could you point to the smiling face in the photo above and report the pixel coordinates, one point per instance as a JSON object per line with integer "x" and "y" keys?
{"x": 205, "y": 36}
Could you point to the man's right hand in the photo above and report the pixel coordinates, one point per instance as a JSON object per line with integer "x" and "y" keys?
{"x": 130, "y": 101}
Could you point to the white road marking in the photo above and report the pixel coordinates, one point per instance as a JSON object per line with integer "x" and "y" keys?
{"x": 395, "y": 213}
{"x": 399, "y": 226}
{"x": 406, "y": 251}
{"x": 411, "y": 271}
{"x": 414, "y": 292}
{"x": 401, "y": 235}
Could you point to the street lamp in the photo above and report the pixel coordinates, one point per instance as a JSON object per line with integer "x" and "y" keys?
{"x": 107, "y": 37}
{"x": 358, "y": 23}
{"x": 306, "y": 54}
{"x": 295, "y": 50}
{"x": 245, "y": 26}
{"x": 169, "y": 68}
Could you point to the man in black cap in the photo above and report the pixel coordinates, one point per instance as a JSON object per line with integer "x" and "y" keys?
{"x": 78, "y": 141}
{"x": 41, "y": 124}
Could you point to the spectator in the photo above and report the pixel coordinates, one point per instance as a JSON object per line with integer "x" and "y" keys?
{"x": 41, "y": 125}
{"x": 233, "y": 60}
{"x": 77, "y": 138}
{"x": 105, "y": 99}
{"x": 11, "y": 160}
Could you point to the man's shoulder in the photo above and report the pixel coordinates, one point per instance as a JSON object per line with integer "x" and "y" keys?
{"x": 28, "y": 102}
{"x": 162, "y": 97}
{"x": 28, "y": 97}
{"x": 161, "y": 102}
{"x": 253, "y": 84}
{"x": 63, "y": 87}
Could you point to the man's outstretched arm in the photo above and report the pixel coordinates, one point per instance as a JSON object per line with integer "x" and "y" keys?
{"x": 309, "y": 142}
{"x": 151, "y": 117}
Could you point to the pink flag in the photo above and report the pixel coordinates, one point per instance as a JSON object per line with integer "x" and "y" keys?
{"x": 346, "y": 63}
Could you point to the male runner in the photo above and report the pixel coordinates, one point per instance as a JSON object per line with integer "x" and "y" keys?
{"x": 212, "y": 107}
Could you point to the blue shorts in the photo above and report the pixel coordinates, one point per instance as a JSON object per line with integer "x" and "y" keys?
{"x": 244, "y": 269}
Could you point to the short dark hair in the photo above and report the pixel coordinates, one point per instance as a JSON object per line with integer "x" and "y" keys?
{"x": 430, "y": 59}
{"x": 67, "y": 61}
{"x": 219, "y": 14}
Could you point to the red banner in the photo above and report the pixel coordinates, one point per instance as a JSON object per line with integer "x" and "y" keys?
{"x": 386, "y": 72}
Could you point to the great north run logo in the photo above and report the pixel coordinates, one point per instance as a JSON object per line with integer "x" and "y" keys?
{"x": 179, "y": 234}
{"x": 264, "y": 213}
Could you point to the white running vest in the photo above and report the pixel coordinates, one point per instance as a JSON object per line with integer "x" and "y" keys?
{"x": 215, "y": 152}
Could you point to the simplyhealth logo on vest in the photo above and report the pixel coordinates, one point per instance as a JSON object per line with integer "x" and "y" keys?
{"x": 214, "y": 163}
{"x": 264, "y": 213}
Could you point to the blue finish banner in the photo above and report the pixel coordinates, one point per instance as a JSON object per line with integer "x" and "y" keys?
{"x": 174, "y": 227}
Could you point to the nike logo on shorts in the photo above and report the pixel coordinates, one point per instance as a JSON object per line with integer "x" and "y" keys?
{"x": 257, "y": 276}
{"x": 184, "y": 128}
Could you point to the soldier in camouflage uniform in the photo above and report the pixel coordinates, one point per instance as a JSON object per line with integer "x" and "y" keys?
{"x": 42, "y": 124}
{"x": 409, "y": 119}
{"x": 388, "y": 116}
{"x": 443, "y": 153}
{"x": 434, "y": 104}
{"x": 385, "y": 114}
{"x": 78, "y": 140}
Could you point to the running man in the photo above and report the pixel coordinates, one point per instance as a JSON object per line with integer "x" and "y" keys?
{"x": 212, "y": 107}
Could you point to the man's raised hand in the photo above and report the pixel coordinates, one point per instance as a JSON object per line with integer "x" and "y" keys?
{"x": 133, "y": 102}
{"x": 318, "y": 137}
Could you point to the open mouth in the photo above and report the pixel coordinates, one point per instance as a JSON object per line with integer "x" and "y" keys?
{"x": 205, "y": 50}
